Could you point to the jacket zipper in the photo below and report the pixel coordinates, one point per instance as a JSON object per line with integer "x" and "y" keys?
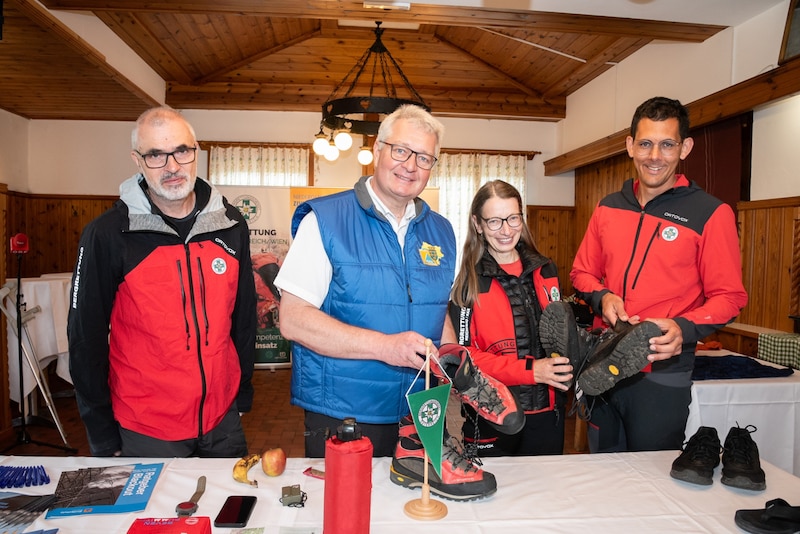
{"x": 193, "y": 302}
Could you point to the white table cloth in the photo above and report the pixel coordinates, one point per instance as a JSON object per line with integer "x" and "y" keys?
{"x": 603, "y": 493}
{"x": 772, "y": 405}
{"x": 47, "y": 329}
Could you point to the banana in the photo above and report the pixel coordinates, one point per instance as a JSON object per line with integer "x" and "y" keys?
{"x": 242, "y": 467}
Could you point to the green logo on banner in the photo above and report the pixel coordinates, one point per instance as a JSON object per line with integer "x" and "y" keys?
{"x": 428, "y": 410}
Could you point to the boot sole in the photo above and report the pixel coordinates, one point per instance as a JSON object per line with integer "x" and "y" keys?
{"x": 744, "y": 482}
{"x": 692, "y": 477}
{"x": 468, "y": 491}
{"x": 628, "y": 358}
{"x": 555, "y": 327}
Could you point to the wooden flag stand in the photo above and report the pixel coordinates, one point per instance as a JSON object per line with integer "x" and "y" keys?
{"x": 425, "y": 508}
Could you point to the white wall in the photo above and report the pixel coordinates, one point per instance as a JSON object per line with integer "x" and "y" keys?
{"x": 91, "y": 157}
{"x": 689, "y": 72}
{"x": 776, "y": 130}
{"x": 13, "y": 151}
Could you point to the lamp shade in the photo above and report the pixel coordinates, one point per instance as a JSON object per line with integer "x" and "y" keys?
{"x": 365, "y": 155}
{"x": 343, "y": 140}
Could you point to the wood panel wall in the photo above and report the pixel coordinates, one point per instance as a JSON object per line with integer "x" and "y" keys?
{"x": 769, "y": 243}
{"x": 553, "y": 230}
{"x": 53, "y": 224}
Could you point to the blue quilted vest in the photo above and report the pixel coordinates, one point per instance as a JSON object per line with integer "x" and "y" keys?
{"x": 378, "y": 286}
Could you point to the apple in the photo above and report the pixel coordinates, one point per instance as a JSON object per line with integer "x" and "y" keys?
{"x": 273, "y": 461}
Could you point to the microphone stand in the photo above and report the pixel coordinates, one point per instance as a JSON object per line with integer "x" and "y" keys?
{"x": 23, "y": 437}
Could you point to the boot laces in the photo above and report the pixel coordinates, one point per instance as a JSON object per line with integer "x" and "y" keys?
{"x": 702, "y": 447}
{"x": 741, "y": 445}
{"x": 483, "y": 394}
{"x": 459, "y": 458}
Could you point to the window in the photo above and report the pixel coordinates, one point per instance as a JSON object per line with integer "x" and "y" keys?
{"x": 258, "y": 164}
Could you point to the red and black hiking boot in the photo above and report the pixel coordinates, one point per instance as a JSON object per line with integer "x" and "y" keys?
{"x": 490, "y": 398}
{"x": 461, "y": 480}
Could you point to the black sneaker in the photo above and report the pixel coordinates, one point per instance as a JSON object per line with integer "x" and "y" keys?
{"x": 620, "y": 354}
{"x": 561, "y": 336}
{"x": 741, "y": 467}
{"x": 462, "y": 479}
{"x": 699, "y": 458}
{"x": 490, "y": 398}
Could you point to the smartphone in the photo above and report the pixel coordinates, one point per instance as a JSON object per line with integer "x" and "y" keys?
{"x": 236, "y": 511}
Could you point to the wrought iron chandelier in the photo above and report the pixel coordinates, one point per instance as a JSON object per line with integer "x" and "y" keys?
{"x": 345, "y": 114}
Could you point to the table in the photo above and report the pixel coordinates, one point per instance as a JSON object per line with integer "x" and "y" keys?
{"x": 770, "y": 404}
{"x": 598, "y": 493}
{"x": 47, "y": 329}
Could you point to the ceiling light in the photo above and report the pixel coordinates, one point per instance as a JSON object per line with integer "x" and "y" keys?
{"x": 387, "y": 4}
{"x": 357, "y": 108}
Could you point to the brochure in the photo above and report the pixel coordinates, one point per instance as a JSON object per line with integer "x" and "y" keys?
{"x": 104, "y": 490}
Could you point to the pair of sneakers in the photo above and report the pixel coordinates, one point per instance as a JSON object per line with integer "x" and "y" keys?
{"x": 462, "y": 478}
{"x": 599, "y": 359}
{"x": 741, "y": 466}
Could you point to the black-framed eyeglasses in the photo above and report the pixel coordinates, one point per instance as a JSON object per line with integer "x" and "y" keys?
{"x": 495, "y": 223}
{"x": 402, "y": 153}
{"x": 157, "y": 160}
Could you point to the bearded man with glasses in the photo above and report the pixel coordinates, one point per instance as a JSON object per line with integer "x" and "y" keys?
{"x": 163, "y": 314}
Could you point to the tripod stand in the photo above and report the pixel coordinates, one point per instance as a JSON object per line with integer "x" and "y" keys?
{"x": 22, "y": 317}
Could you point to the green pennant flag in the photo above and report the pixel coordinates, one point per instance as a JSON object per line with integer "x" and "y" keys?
{"x": 428, "y": 408}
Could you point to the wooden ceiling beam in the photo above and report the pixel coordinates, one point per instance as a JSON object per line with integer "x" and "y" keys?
{"x": 287, "y": 97}
{"x": 419, "y": 13}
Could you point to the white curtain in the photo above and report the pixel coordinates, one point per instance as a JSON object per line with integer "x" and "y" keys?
{"x": 258, "y": 165}
{"x": 459, "y": 176}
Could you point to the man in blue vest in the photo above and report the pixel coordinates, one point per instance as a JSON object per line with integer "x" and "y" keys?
{"x": 363, "y": 286}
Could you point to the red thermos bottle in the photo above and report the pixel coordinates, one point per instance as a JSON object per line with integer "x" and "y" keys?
{"x": 348, "y": 481}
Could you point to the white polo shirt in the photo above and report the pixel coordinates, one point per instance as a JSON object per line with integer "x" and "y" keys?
{"x": 306, "y": 271}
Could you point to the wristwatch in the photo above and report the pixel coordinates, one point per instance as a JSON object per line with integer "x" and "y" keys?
{"x": 189, "y": 507}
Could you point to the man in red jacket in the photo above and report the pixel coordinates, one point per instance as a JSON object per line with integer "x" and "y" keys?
{"x": 665, "y": 251}
{"x": 162, "y": 318}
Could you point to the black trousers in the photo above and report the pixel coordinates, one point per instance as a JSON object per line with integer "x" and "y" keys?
{"x": 639, "y": 414}
{"x": 318, "y": 426}
{"x": 542, "y": 434}
{"x": 226, "y": 440}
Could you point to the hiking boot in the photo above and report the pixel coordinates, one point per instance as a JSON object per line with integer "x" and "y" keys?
{"x": 490, "y": 398}
{"x": 699, "y": 458}
{"x": 621, "y": 353}
{"x": 741, "y": 467}
{"x": 461, "y": 479}
{"x": 561, "y": 336}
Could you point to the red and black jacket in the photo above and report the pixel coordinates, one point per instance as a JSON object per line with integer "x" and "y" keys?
{"x": 161, "y": 329}
{"x": 501, "y": 328}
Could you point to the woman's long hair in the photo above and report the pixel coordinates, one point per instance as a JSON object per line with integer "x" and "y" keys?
{"x": 465, "y": 287}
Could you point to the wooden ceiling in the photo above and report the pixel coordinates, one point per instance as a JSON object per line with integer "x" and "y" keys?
{"x": 290, "y": 55}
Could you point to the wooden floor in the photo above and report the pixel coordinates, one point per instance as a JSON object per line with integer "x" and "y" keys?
{"x": 273, "y": 422}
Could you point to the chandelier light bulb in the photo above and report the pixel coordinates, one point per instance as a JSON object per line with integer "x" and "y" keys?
{"x": 365, "y": 155}
{"x": 320, "y": 145}
{"x": 331, "y": 152}
{"x": 343, "y": 140}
